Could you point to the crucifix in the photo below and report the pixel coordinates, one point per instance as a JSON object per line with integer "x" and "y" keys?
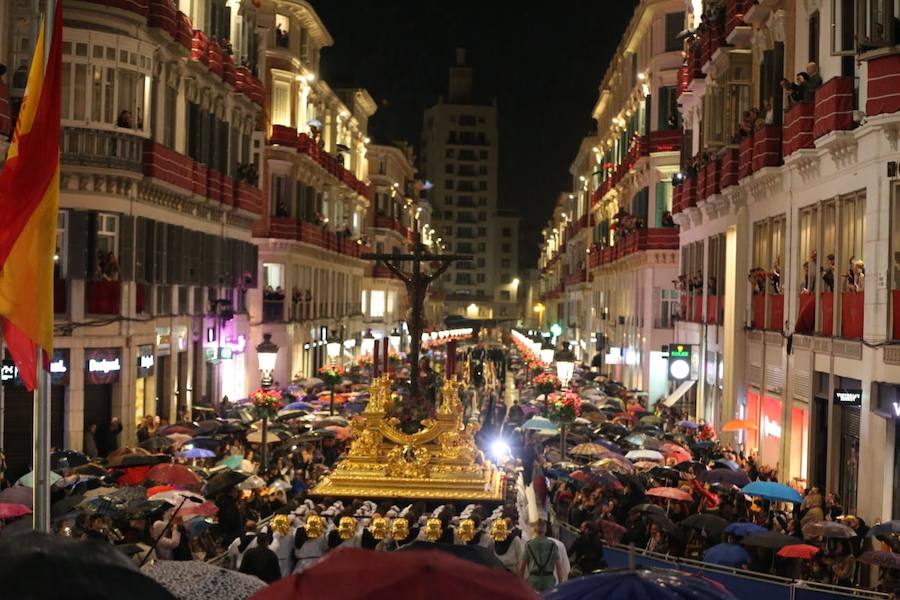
{"x": 416, "y": 283}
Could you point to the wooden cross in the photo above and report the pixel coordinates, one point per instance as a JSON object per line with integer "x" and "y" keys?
{"x": 416, "y": 284}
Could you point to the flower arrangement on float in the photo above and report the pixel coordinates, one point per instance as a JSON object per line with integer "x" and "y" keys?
{"x": 266, "y": 402}
{"x": 332, "y": 374}
{"x": 563, "y": 407}
{"x": 365, "y": 360}
{"x": 546, "y": 383}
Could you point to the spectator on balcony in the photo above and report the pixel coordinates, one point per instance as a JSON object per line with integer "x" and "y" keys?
{"x": 807, "y": 90}
{"x": 793, "y": 92}
{"x": 757, "y": 279}
{"x": 856, "y": 275}
{"x": 757, "y": 119}
{"x": 281, "y": 36}
{"x": 809, "y": 283}
{"x": 124, "y": 120}
{"x": 775, "y": 277}
{"x": 812, "y": 73}
{"x": 745, "y": 127}
{"x": 667, "y": 220}
{"x": 769, "y": 106}
{"x": 828, "y": 273}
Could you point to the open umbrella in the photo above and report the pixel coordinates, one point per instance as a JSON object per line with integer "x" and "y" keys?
{"x": 828, "y": 529}
{"x": 254, "y": 482}
{"x": 540, "y": 424}
{"x": 89, "y": 469}
{"x": 157, "y": 443}
{"x": 137, "y": 460}
{"x": 221, "y": 482}
{"x": 644, "y": 455}
{"x": 728, "y": 464}
{"x": 640, "y": 584}
{"x": 650, "y": 420}
{"x": 884, "y": 529}
{"x": 12, "y": 511}
{"x": 210, "y": 443}
{"x": 613, "y": 430}
{"x": 669, "y": 493}
{"x": 692, "y": 465}
{"x": 197, "y": 453}
{"x": 173, "y": 475}
{"x": 771, "y": 490}
{"x": 232, "y": 461}
{"x": 670, "y": 450}
{"x": 40, "y": 565}
{"x": 352, "y": 573}
{"x": 886, "y": 560}
{"x": 182, "y": 428}
{"x": 665, "y": 473}
{"x": 305, "y": 406}
{"x": 589, "y": 449}
{"x": 194, "y": 579}
{"x": 711, "y": 524}
{"x": 738, "y": 478}
{"x": 615, "y": 464}
{"x": 67, "y": 459}
{"x": 205, "y": 509}
{"x": 179, "y": 438}
{"x": 771, "y": 540}
{"x": 738, "y": 425}
{"x": 727, "y": 555}
{"x": 666, "y": 524}
{"x": 688, "y": 425}
{"x": 27, "y": 480}
{"x": 208, "y": 427}
{"x": 804, "y": 551}
{"x": 646, "y": 509}
{"x": 744, "y": 529}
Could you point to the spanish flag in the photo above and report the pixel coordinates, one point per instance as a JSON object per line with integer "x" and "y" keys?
{"x": 29, "y": 199}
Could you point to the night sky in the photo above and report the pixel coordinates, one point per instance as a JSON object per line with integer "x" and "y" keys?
{"x": 542, "y": 62}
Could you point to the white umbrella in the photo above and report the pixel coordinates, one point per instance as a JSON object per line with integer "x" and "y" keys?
{"x": 254, "y": 482}
{"x": 644, "y": 455}
{"x": 175, "y": 496}
{"x": 28, "y": 479}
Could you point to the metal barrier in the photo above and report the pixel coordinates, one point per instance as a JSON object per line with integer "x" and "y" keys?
{"x": 746, "y": 585}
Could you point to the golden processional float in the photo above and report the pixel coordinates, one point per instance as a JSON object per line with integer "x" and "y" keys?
{"x": 438, "y": 462}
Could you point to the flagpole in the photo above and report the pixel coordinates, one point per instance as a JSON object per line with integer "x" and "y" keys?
{"x": 41, "y": 430}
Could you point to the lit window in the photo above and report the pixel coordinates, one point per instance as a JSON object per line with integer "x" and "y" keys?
{"x": 376, "y": 305}
{"x": 281, "y": 103}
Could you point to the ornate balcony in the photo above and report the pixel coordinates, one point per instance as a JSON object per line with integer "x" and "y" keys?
{"x": 834, "y": 106}
{"x": 799, "y": 122}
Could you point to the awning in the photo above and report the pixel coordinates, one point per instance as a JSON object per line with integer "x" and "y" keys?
{"x": 680, "y": 391}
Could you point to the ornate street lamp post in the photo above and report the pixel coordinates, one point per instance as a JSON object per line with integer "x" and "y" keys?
{"x": 267, "y": 354}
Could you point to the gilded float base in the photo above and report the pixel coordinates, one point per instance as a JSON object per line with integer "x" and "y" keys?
{"x": 439, "y": 462}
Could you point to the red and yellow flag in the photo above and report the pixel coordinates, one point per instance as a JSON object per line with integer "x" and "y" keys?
{"x": 29, "y": 200}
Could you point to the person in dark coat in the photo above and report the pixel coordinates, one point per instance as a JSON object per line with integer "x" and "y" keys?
{"x": 260, "y": 561}
{"x": 90, "y": 441}
{"x": 109, "y": 438}
{"x": 231, "y": 524}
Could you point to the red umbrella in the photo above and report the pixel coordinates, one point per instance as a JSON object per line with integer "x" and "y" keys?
{"x": 158, "y": 489}
{"x": 173, "y": 475}
{"x": 11, "y": 511}
{"x": 675, "y": 451}
{"x": 355, "y": 574}
{"x": 804, "y": 551}
{"x": 669, "y": 493}
{"x": 133, "y": 475}
{"x": 207, "y": 509}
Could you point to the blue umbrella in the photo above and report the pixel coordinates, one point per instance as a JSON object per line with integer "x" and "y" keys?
{"x": 771, "y": 490}
{"x": 659, "y": 584}
{"x": 884, "y": 529}
{"x": 742, "y": 529}
{"x": 608, "y": 444}
{"x": 727, "y": 555}
{"x": 197, "y": 453}
{"x": 539, "y": 423}
{"x": 730, "y": 464}
{"x": 688, "y": 424}
{"x": 298, "y": 406}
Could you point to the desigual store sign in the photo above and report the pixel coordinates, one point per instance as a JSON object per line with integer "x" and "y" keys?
{"x": 102, "y": 365}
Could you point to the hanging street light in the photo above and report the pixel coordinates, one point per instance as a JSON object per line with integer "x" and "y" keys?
{"x": 267, "y": 355}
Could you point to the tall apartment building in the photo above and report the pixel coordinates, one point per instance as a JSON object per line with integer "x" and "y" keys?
{"x": 459, "y": 156}
{"x": 154, "y": 252}
{"x": 314, "y": 180}
{"x": 608, "y": 257}
{"x": 790, "y": 238}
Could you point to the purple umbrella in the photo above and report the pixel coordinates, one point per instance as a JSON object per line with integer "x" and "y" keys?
{"x": 627, "y": 584}
{"x": 738, "y": 478}
{"x": 688, "y": 424}
{"x": 17, "y": 494}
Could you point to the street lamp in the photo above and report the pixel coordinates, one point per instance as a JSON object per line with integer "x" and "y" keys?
{"x": 395, "y": 339}
{"x": 547, "y": 352}
{"x": 266, "y": 354}
{"x": 333, "y": 348}
{"x": 565, "y": 365}
{"x": 368, "y": 343}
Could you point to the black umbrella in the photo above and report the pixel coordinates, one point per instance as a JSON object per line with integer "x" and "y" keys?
{"x": 232, "y": 427}
{"x": 220, "y": 482}
{"x": 89, "y": 469}
{"x": 209, "y": 443}
{"x": 692, "y": 465}
{"x": 157, "y": 443}
{"x": 138, "y": 460}
{"x": 665, "y": 473}
{"x": 646, "y": 509}
{"x": 666, "y": 525}
{"x": 712, "y": 524}
{"x": 771, "y": 540}
{"x": 67, "y": 459}
{"x": 612, "y": 430}
{"x": 290, "y": 414}
{"x": 208, "y": 427}
{"x": 40, "y": 565}
{"x": 66, "y": 505}
{"x": 476, "y": 554}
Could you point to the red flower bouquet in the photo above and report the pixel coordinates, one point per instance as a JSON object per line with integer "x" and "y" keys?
{"x": 266, "y": 402}
{"x": 564, "y": 407}
{"x": 546, "y": 383}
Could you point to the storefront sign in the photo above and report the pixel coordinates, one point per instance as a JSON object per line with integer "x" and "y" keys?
{"x": 163, "y": 341}
{"x": 181, "y": 338}
{"x": 102, "y": 365}
{"x": 59, "y": 370}
{"x": 845, "y": 397}
{"x": 145, "y": 361}
{"x": 680, "y": 356}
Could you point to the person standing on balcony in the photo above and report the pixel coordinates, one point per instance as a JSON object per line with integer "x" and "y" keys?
{"x": 812, "y": 72}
